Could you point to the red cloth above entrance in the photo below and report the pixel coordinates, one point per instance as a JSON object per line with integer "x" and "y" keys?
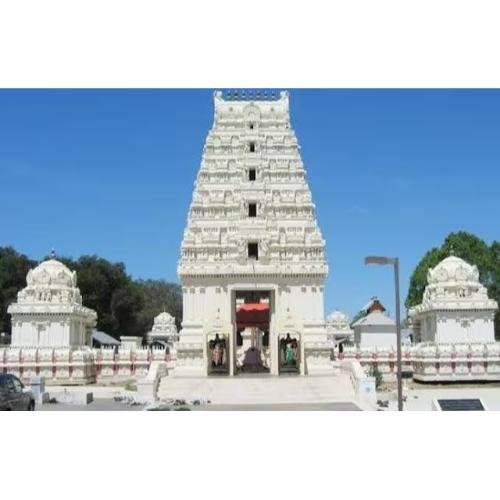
{"x": 259, "y": 306}
{"x": 256, "y": 314}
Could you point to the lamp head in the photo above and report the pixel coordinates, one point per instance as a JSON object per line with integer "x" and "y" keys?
{"x": 381, "y": 261}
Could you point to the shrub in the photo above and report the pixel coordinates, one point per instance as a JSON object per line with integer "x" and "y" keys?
{"x": 375, "y": 372}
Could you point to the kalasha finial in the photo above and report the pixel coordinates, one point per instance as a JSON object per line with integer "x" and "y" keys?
{"x": 53, "y": 254}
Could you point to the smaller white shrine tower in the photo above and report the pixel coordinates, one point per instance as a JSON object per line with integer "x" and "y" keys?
{"x": 455, "y": 306}
{"x": 49, "y": 311}
{"x": 338, "y": 327}
{"x": 164, "y": 329}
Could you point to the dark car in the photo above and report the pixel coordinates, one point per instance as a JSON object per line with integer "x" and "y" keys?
{"x": 13, "y": 394}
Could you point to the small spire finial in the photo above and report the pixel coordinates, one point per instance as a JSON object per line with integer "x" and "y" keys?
{"x": 53, "y": 254}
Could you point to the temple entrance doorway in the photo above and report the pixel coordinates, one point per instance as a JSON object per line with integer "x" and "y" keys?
{"x": 252, "y": 317}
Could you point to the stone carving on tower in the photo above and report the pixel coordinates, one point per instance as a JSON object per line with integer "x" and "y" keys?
{"x": 251, "y": 225}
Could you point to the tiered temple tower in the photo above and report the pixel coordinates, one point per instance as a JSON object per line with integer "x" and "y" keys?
{"x": 252, "y": 238}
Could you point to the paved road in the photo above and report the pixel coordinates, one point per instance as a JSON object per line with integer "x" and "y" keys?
{"x": 96, "y": 405}
{"x": 283, "y": 407}
{"x": 110, "y": 405}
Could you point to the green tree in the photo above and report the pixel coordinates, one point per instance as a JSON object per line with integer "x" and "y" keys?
{"x": 13, "y": 270}
{"x": 418, "y": 280}
{"x": 473, "y": 250}
{"x": 127, "y": 303}
{"x": 376, "y": 373}
{"x": 124, "y": 306}
{"x": 160, "y": 296}
{"x": 99, "y": 281}
{"x": 494, "y": 288}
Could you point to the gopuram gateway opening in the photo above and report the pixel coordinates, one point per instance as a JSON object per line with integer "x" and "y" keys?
{"x": 252, "y": 319}
{"x": 252, "y": 260}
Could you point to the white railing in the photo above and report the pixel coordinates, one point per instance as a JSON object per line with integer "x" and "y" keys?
{"x": 432, "y": 362}
{"x": 78, "y": 365}
{"x": 384, "y": 358}
{"x": 456, "y": 362}
{"x": 363, "y": 385}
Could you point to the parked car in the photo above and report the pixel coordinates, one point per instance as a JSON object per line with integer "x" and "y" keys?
{"x": 14, "y": 395}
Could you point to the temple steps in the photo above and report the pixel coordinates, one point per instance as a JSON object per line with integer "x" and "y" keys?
{"x": 263, "y": 389}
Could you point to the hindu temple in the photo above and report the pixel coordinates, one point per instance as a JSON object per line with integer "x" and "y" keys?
{"x": 253, "y": 261}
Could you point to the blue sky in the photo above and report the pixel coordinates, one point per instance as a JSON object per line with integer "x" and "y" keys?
{"x": 111, "y": 172}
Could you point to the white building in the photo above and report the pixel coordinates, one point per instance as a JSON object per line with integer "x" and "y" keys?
{"x": 163, "y": 330}
{"x": 49, "y": 311}
{"x": 51, "y": 329}
{"x": 252, "y": 255}
{"x": 375, "y": 329}
{"x": 455, "y": 307}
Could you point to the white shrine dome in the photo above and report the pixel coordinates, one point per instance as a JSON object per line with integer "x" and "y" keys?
{"x": 337, "y": 325}
{"x": 51, "y": 272}
{"x": 164, "y": 323}
{"x": 164, "y": 318}
{"x": 337, "y": 318}
{"x": 51, "y": 287}
{"x": 453, "y": 285}
{"x": 49, "y": 310}
{"x": 453, "y": 269}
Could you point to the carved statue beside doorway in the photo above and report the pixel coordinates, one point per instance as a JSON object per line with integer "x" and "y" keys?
{"x": 289, "y": 354}
{"x": 217, "y": 354}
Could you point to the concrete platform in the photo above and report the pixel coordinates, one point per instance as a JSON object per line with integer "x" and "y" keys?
{"x": 77, "y": 398}
{"x": 259, "y": 389}
{"x": 421, "y": 399}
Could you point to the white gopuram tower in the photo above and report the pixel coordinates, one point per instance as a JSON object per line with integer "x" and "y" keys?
{"x": 252, "y": 260}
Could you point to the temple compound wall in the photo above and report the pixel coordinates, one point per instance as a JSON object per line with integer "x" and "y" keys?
{"x": 79, "y": 365}
{"x": 253, "y": 261}
{"x": 432, "y": 362}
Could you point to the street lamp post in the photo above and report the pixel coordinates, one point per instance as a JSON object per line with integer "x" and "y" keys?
{"x": 395, "y": 262}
